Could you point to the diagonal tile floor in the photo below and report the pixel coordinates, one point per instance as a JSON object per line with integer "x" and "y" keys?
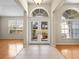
{"x": 39, "y": 52}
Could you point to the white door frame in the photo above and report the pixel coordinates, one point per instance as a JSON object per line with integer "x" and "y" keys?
{"x": 29, "y": 29}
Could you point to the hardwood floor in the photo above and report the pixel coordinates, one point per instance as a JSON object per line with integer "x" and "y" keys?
{"x": 10, "y": 48}
{"x": 69, "y": 51}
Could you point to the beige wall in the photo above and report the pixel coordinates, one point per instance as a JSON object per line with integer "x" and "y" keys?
{"x": 24, "y": 4}
{"x": 56, "y": 3}
{"x": 55, "y": 22}
{"x": 4, "y": 30}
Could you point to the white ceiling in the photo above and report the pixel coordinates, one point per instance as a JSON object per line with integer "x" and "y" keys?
{"x": 10, "y": 8}
{"x": 72, "y": 1}
{"x": 7, "y": 2}
{"x": 43, "y": 1}
{"x": 13, "y": 2}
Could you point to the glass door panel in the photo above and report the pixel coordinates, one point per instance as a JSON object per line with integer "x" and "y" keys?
{"x": 44, "y": 30}
{"x": 39, "y": 32}
{"x": 35, "y": 30}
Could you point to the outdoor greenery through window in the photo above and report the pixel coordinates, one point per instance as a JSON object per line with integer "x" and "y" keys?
{"x": 15, "y": 26}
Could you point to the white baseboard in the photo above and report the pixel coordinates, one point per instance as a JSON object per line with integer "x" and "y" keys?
{"x": 67, "y": 43}
{"x": 10, "y": 39}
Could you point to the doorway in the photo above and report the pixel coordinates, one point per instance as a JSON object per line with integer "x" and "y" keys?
{"x": 39, "y": 30}
{"x": 39, "y": 27}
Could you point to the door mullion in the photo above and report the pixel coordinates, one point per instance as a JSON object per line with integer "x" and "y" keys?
{"x": 39, "y": 32}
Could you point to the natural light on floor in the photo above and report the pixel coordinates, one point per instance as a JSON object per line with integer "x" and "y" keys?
{"x": 14, "y": 49}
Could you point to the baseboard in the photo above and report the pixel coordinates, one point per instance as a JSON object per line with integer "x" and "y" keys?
{"x": 67, "y": 43}
{"x": 11, "y": 39}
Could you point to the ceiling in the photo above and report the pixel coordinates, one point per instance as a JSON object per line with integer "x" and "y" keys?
{"x": 7, "y": 2}
{"x": 8, "y": 7}
{"x": 72, "y": 1}
{"x": 11, "y": 5}
{"x": 43, "y": 1}
{"x": 13, "y": 2}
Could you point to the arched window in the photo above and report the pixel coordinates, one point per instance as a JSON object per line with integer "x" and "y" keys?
{"x": 39, "y": 12}
{"x": 71, "y": 14}
{"x": 70, "y": 24}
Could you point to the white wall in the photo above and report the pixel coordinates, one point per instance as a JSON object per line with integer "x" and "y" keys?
{"x": 11, "y": 11}
{"x": 58, "y": 13}
{"x": 0, "y": 26}
{"x": 24, "y": 4}
{"x": 10, "y": 8}
{"x": 4, "y": 34}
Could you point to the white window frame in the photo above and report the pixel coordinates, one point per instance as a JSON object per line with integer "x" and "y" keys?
{"x": 15, "y": 24}
{"x": 70, "y": 29}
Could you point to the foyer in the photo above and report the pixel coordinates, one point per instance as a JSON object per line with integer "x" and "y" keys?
{"x": 39, "y": 29}
{"x": 40, "y": 52}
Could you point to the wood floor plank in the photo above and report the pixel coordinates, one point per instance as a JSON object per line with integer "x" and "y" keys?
{"x": 10, "y": 48}
{"x": 69, "y": 51}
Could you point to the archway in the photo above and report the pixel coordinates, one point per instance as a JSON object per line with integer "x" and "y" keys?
{"x": 39, "y": 27}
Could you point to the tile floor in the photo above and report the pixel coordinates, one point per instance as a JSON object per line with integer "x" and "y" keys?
{"x": 39, "y": 52}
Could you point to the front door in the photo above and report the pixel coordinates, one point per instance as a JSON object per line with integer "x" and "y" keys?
{"x": 39, "y": 31}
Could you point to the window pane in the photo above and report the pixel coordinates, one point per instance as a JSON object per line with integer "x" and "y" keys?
{"x": 35, "y": 30}
{"x": 66, "y": 31}
{"x": 65, "y": 28}
{"x": 75, "y": 29}
{"x": 11, "y": 23}
{"x": 62, "y": 31}
{"x": 40, "y": 12}
{"x": 15, "y": 26}
{"x": 75, "y": 35}
{"x": 67, "y": 36}
{"x": 75, "y": 25}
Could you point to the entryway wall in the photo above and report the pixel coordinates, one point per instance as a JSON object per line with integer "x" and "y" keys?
{"x": 46, "y": 7}
{"x": 0, "y": 26}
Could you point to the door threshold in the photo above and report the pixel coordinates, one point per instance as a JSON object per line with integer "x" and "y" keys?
{"x": 39, "y": 44}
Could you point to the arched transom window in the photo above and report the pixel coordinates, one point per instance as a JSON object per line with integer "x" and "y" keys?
{"x": 39, "y": 12}
{"x": 71, "y": 14}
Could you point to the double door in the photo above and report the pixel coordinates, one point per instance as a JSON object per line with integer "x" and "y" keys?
{"x": 39, "y": 32}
